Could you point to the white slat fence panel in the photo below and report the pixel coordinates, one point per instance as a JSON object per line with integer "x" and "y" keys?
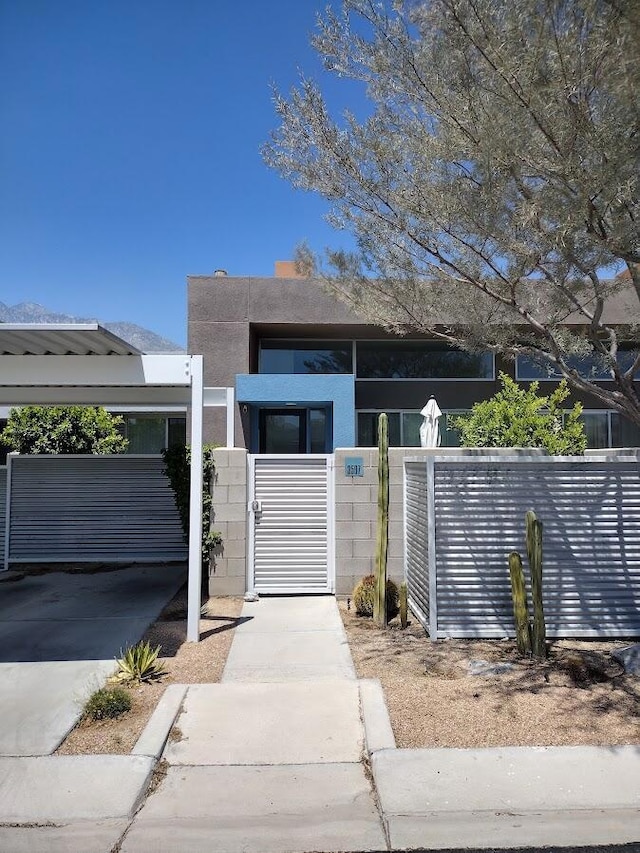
{"x": 591, "y": 544}
{"x": 292, "y": 532}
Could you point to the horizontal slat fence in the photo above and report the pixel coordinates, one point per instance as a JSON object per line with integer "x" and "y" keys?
{"x": 91, "y": 508}
{"x": 591, "y": 544}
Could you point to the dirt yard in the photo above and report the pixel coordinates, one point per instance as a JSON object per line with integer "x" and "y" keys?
{"x": 579, "y": 696}
{"x": 185, "y": 663}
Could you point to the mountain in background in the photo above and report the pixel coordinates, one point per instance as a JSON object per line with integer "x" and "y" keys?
{"x": 141, "y": 338}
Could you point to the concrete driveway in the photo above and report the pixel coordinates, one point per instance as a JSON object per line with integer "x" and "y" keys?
{"x": 59, "y": 635}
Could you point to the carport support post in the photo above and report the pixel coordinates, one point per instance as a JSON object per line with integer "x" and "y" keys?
{"x": 195, "y": 501}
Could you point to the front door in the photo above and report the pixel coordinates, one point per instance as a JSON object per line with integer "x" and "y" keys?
{"x": 294, "y": 430}
{"x": 283, "y": 431}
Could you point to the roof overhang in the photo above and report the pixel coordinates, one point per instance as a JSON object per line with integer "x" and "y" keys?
{"x": 61, "y": 339}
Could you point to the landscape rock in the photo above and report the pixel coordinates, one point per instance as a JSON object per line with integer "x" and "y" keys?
{"x": 629, "y": 657}
{"x": 485, "y": 668}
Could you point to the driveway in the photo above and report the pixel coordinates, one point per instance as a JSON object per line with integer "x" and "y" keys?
{"x": 59, "y": 635}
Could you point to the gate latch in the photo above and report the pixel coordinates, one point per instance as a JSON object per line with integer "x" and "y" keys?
{"x": 255, "y": 506}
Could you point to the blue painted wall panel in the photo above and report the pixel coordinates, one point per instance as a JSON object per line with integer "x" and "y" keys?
{"x": 267, "y": 389}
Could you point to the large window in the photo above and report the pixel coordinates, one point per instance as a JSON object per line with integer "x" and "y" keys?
{"x": 420, "y": 360}
{"x": 305, "y": 357}
{"x": 609, "y": 429}
{"x": 404, "y": 429}
{"x": 589, "y": 367}
{"x": 603, "y": 429}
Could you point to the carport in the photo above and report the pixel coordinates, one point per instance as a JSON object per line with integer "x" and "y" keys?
{"x": 85, "y": 364}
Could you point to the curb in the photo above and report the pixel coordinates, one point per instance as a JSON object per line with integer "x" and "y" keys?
{"x": 378, "y": 733}
{"x": 154, "y": 736}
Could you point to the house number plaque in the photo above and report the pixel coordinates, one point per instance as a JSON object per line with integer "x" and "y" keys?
{"x": 353, "y": 466}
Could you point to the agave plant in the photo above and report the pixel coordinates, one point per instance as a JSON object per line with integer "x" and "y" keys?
{"x": 139, "y": 663}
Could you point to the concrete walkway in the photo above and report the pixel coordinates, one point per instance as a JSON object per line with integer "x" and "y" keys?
{"x": 271, "y": 759}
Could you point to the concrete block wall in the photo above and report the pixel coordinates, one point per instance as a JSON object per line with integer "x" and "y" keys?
{"x": 228, "y": 574}
{"x": 357, "y": 513}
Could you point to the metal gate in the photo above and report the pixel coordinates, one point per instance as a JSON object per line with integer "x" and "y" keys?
{"x": 291, "y": 524}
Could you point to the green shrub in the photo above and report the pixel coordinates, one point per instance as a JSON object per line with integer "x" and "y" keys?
{"x": 107, "y": 703}
{"x": 63, "y": 429}
{"x": 140, "y": 663}
{"x": 364, "y": 595}
{"x": 177, "y": 461}
{"x": 519, "y": 417}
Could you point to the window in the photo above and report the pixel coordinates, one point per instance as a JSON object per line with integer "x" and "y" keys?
{"x": 420, "y": 360}
{"x": 153, "y": 433}
{"x": 368, "y": 429}
{"x": 305, "y": 357}
{"x": 404, "y": 429}
{"x": 624, "y": 433}
{"x": 589, "y": 367}
{"x": 596, "y": 427}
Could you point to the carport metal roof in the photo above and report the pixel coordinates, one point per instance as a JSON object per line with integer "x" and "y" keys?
{"x": 52, "y": 364}
{"x": 61, "y": 339}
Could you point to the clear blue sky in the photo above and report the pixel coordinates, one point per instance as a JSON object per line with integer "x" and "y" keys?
{"x": 129, "y": 150}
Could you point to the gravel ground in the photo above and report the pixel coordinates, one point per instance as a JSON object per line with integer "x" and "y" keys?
{"x": 186, "y": 663}
{"x": 579, "y": 696}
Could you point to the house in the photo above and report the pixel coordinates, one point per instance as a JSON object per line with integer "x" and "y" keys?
{"x": 311, "y": 376}
{"x": 295, "y": 498}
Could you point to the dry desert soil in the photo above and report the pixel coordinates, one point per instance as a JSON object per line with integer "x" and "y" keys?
{"x": 580, "y": 695}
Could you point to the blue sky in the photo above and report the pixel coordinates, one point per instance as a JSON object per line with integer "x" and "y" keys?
{"x": 129, "y": 150}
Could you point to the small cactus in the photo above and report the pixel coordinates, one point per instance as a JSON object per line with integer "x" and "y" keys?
{"x": 520, "y": 608}
{"x": 534, "y": 553}
{"x": 404, "y": 605}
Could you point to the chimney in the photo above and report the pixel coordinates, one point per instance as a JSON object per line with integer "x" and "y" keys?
{"x": 287, "y": 269}
{"x": 220, "y": 273}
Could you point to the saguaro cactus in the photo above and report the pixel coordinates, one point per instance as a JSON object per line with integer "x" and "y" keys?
{"x": 534, "y": 553}
{"x": 382, "y": 535}
{"x": 520, "y": 608}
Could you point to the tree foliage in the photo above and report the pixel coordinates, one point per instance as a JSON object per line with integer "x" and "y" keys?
{"x": 519, "y": 417}
{"x": 63, "y": 429}
{"x": 493, "y": 187}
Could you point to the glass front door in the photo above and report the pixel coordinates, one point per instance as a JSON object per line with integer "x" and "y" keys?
{"x": 283, "y": 431}
{"x": 293, "y": 430}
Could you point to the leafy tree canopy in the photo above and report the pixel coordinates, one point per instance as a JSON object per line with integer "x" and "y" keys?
{"x": 493, "y": 188}
{"x": 63, "y": 429}
{"x": 519, "y": 417}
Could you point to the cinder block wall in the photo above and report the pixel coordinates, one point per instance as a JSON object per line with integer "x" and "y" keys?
{"x": 228, "y": 574}
{"x": 357, "y": 511}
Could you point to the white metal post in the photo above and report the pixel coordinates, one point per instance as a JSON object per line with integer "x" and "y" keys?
{"x": 195, "y": 501}
{"x": 431, "y": 549}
